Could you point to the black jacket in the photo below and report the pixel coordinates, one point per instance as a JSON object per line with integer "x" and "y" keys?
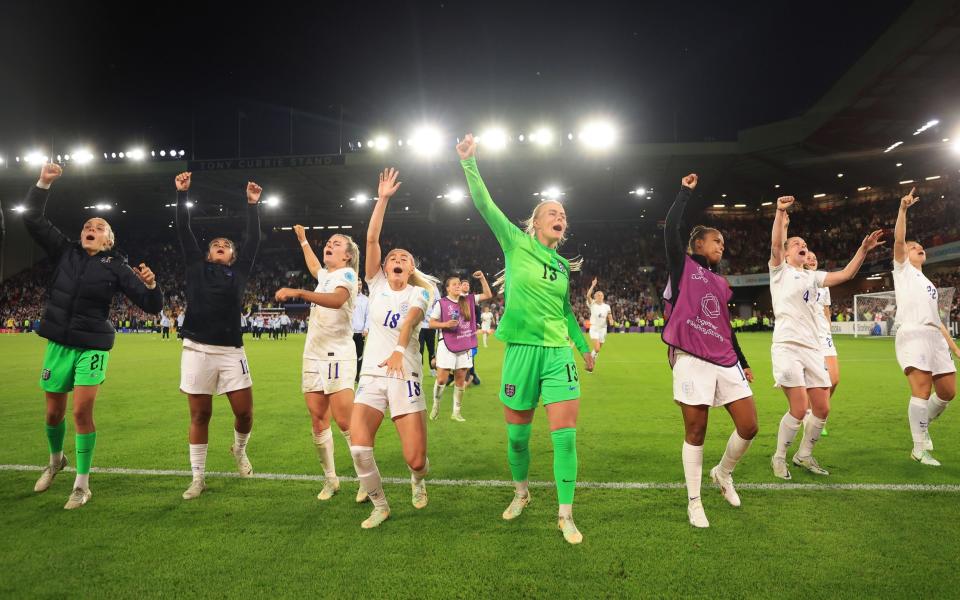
{"x": 215, "y": 291}
{"x": 82, "y": 286}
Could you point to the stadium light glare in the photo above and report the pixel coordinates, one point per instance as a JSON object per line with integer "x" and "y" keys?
{"x": 379, "y": 143}
{"x": 65, "y": 157}
{"x": 113, "y": 155}
{"x": 163, "y": 153}
{"x": 189, "y": 204}
{"x": 34, "y": 158}
{"x": 599, "y": 135}
{"x": 454, "y": 195}
{"x": 766, "y": 203}
{"x": 59, "y": 158}
{"x": 152, "y": 153}
{"x": 931, "y": 178}
{"x": 173, "y": 153}
{"x": 839, "y": 175}
{"x": 926, "y": 126}
{"x": 1, "y": 160}
{"x": 136, "y": 154}
{"x": 906, "y": 181}
{"x": 640, "y": 191}
{"x": 121, "y": 155}
{"x": 493, "y": 138}
{"x": 820, "y": 195}
{"x": 892, "y": 146}
{"x": 19, "y": 208}
{"x": 542, "y": 136}
{"x": 956, "y": 147}
{"x": 776, "y": 186}
{"x": 551, "y": 193}
{"x": 426, "y": 140}
{"x": 899, "y": 164}
{"x": 273, "y": 201}
{"x": 719, "y": 205}
{"x": 739, "y": 205}
{"x": 182, "y": 152}
{"x": 863, "y": 188}
{"x": 360, "y": 199}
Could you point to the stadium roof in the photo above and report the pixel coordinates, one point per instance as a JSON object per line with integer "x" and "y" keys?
{"x": 907, "y": 78}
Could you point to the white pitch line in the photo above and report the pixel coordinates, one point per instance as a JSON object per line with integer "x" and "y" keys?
{"x": 603, "y": 485}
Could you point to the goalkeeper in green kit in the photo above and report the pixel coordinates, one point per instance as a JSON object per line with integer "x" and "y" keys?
{"x": 537, "y": 325}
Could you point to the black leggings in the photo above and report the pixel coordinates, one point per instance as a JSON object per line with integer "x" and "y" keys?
{"x": 428, "y": 338}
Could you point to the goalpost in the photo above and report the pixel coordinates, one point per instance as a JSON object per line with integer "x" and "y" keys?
{"x": 874, "y": 314}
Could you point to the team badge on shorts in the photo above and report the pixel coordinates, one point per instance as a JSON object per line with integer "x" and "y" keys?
{"x": 509, "y": 390}
{"x": 45, "y": 374}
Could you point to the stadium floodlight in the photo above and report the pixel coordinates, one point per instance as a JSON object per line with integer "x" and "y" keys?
{"x": 425, "y": 140}
{"x": 640, "y": 191}
{"x": 839, "y": 175}
{"x": 1, "y": 160}
{"x": 931, "y": 178}
{"x": 19, "y": 208}
{"x": 892, "y": 146}
{"x": 551, "y": 193}
{"x": 454, "y": 195}
{"x": 152, "y": 153}
{"x": 598, "y": 135}
{"x": 863, "y": 188}
{"x": 926, "y": 126}
{"x": 65, "y": 157}
{"x": 719, "y": 205}
{"x": 163, "y": 153}
{"x": 113, "y": 155}
{"x": 121, "y": 155}
{"x": 820, "y": 195}
{"x": 956, "y": 146}
{"x": 493, "y": 138}
{"x": 379, "y": 143}
{"x": 776, "y": 186}
{"x": 34, "y": 158}
{"x": 273, "y": 201}
{"x": 173, "y": 153}
{"x": 906, "y": 181}
{"x": 899, "y": 164}
{"x": 59, "y": 158}
{"x": 542, "y": 136}
{"x": 189, "y": 204}
{"x": 182, "y": 152}
{"x": 766, "y": 203}
{"x": 360, "y": 199}
{"x": 739, "y": 205}
{"x": 136, "y": 154}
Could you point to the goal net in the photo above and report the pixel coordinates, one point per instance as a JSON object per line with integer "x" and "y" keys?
{"x": 875, "y": 314}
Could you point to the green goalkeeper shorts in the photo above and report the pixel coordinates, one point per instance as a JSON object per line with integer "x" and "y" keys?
{"x": 65, "y": 367}
{"x": 532, "y": 372}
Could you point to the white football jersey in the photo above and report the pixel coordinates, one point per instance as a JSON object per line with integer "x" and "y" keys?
{"x": 916, "y": 296}
{"x": 598, "y": 315}
{"x": 823, "y": 300}
{"x": 486, "y": 317}
{"x": 330, "y": 332}
{"x": 388, "y": 309}
{"x": 794, "y": 295}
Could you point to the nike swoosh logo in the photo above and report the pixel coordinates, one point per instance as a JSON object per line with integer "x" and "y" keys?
{"x": 568, "y": 480}
{"x": 572, "y": 389}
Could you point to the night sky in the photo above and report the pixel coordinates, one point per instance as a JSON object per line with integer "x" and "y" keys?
{"x": 163, "y": 74}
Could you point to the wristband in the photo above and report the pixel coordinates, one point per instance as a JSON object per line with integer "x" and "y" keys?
{"x": 399, "y": 348}
{"x": 304, "y": 243}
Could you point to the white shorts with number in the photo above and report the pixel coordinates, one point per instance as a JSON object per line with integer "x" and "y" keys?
{"x": 401, "y": 396}
{"x": 799, "y": 366}
{"x": 328, "y": 376}
{"x": 826, "y": 345}
{"x": 598, "y": 334}
{"x": 923, "y": 348}
{"x": 699, "y": 383}
{"x": 453, "y": 360}
{"x": 213, "y": 370}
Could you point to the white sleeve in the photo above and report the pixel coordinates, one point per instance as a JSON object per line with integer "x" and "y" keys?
{"x": 344, "y": 278}
{"x": 777, "y": 269}
{"x": 819, "y": 277}
{"x": 476, "y": 298}
{"x": 825, "y": 300}
{"x": 899, "y": 266}
{"x": 420, "y": 298}
{"x": 435, "y": 313}
{"x": 377, "y": 279}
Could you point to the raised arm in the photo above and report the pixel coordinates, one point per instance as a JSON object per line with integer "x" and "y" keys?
{"x": 38, "y": 225}
{"x": 309, "y": 256}
{"x": 486, "y": 292}
{"x": 507, "y": 233}
{"x": 387, "y": 187}
{"x": 779, "y": 233}
{"x": 900, "y": 230}
{"x": 672, "y": 236}
{"x": 188, "y": 242}
{"x": 850, "y": 271}
{"x": 593, "y": 284}
{"x": 251, "y": 236}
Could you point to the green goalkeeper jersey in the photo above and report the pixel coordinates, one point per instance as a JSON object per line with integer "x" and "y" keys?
{"x": 537, "y": 279}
